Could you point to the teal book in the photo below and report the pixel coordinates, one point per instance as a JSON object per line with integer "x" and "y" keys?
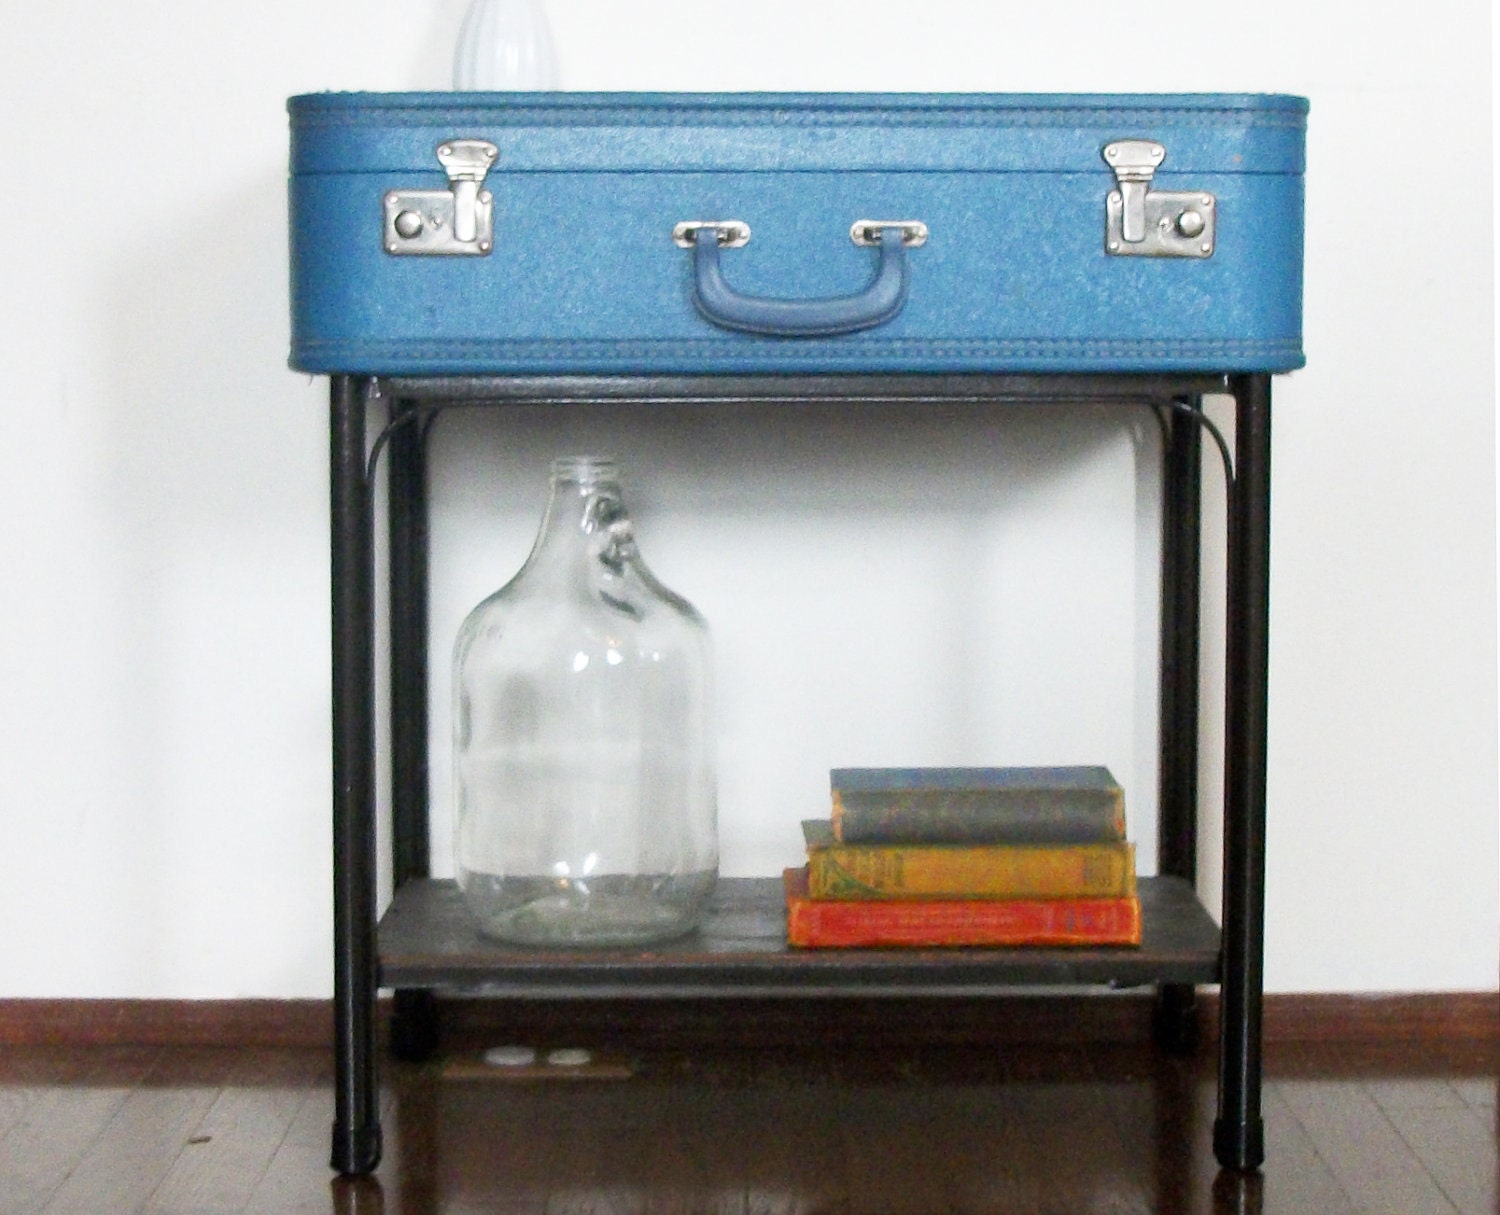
{"x": 1057, "y": 805}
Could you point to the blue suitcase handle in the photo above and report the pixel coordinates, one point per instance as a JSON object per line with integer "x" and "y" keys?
{"x": 879, "y": 302}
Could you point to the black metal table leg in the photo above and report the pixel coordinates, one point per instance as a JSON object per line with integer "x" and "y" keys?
{"x": 356, "y": 1127}
{"x": 1175, "y": 1023}
{"x": 1239, "y": 1136}
{"x": 407, "y": 525}
{"x": 414, "y": 1016}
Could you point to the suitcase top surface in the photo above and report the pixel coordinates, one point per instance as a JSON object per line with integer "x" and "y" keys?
{"x": 993, "y": 132}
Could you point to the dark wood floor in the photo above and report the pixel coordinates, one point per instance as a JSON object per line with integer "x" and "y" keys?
{"x": 980, "y": 1128}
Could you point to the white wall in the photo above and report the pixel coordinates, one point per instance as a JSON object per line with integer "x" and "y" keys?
{"x": 163, "y": 607}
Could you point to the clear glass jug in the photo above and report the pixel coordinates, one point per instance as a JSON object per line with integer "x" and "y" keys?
{"x": 583, "y": 740}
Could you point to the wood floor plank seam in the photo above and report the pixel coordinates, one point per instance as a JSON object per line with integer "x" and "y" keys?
{"x": 1420, "y": 1159}
{"x": 208, "y": 1138}
{"x": 1459, "y": 1187}
{"x": 132, "y": 1154}
{"x": 1355, "y": 1135}
{"x": 93, "y": 1090}
{"x": 1276, "y": 1105}
{"x": 300, "y": 1157}
{"x": 44, "y": 1193}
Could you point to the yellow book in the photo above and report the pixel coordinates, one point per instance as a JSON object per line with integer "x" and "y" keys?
{"x": 964, "y": 871}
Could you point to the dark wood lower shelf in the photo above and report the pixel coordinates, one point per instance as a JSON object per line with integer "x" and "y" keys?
{"x": 427, "y": 940}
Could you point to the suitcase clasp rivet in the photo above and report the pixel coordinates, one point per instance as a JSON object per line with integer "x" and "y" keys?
{"x": 1190, "y": 223}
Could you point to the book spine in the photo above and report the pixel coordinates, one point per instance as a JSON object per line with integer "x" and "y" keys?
{"x": 911, "y": 871}
{"x": 945, "y": 816}
{"x": 1007, "y": 922}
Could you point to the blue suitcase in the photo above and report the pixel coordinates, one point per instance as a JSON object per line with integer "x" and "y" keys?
{"x": 570, "y": 233}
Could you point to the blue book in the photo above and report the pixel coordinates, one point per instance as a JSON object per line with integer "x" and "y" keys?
{"x": 1057, "y": 805}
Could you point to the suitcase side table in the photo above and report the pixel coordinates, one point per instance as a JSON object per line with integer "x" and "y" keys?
{"x": 425, "y": 944}
{"x": 1137, "y": 251}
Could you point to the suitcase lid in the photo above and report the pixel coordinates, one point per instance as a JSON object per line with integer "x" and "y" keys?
{"x": 836, "y": 132}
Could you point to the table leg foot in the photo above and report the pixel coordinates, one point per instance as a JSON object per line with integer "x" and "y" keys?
{"x": 1240, "y": 1146}
{"x": 356, "y": 1149}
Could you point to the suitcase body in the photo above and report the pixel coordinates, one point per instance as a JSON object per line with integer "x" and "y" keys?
{"x": 563, "y": 233}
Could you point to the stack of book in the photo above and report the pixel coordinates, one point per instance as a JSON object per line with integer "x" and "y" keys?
{"x": 967, "y": 856}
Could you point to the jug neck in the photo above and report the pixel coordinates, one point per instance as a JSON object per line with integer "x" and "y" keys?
{"x": 586, "y": 509}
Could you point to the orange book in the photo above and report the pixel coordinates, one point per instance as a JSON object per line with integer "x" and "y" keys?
{"x": 826, "y": 923}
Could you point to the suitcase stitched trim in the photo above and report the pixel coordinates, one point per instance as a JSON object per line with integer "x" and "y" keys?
{"x": 648, "y": 116}
{"x": 1203, "y": 352}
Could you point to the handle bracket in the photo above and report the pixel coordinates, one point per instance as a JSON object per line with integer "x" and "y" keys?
{"x": 867, "y": 231}
{"x": 731, "y": 233}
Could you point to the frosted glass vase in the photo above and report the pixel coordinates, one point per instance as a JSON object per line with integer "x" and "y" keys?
{"x": 505, "y": 44}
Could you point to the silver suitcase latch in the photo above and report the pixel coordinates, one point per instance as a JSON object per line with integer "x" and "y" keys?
{"x": 1142, "y": 222}
{"x": 456, "y": 222}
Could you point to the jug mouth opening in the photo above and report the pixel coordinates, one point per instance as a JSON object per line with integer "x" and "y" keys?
{"x": 584, "y": 470}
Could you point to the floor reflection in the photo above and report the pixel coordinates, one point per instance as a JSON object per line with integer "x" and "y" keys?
{"x": 358, "y": 1196}
{"x": 1111, "y": 1130}
{"x": 889, "y": 1129}
{"x": 1238, "y": 1193}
